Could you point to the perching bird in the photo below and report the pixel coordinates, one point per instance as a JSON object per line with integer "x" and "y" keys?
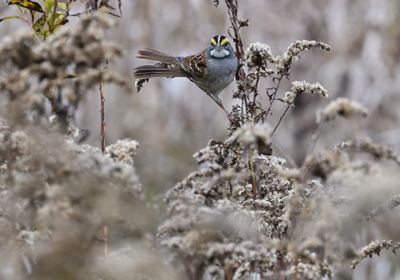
{"x": 211, "y": 70}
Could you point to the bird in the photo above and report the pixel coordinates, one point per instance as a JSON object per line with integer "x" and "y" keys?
{"x": 212, "y": 69}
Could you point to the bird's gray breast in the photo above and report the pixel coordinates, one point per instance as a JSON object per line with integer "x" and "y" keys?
{"x": 221, "y": 73}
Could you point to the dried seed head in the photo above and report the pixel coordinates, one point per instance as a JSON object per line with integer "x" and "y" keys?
{"x": 259, "y": 55}
{"x": 341, "y": 107}
{"x": 299, "y": 87}
{"x": 284, "y": 63}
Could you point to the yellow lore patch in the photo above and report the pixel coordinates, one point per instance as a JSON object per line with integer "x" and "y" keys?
{"x": 224, "y": 42}
{"x": 213, "y": 42}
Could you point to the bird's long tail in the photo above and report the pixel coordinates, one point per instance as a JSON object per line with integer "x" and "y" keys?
{"x": 156, "y": 55}
{"x": 158, "y": 70}
{"x": 168, "y": 66}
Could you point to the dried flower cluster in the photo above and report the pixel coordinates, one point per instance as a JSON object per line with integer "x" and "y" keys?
{"x": 249, "y": 134}
{"x": 388, "y": 205}
{"x": 374, "y": 248}
{"x": 323, "y": 164}
{"x": 60, "y": 69}
{"x": 55, "y": 199}
{"x": 299, "y": 87}
{"x": 293, "y": 52}
{"x": 61, "y": 202}
{"x": 261, "y": 63}
{"x": 123, "y": 151}
{"x": 258, "y": 55}
{"x": 216, "y": 227}
{"x": 341, "y": 107}
{"x": 352, "y": 193}
{"x": 374, "y": 149}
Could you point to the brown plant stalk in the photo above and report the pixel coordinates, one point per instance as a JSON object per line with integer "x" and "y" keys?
{"x": 236, "y": 25}
{"x": 102, "y": 117}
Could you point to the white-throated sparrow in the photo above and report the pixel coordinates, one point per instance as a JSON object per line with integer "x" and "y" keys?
{"x": 211, "y": 70}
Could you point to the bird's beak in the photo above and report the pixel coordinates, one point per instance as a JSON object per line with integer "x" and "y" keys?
{"x": 219, "y": 52}
{"x": 219, "y": 48}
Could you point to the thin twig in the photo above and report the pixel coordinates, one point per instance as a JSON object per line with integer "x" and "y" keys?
{"x": 314, "y": 138}
{"x": 281, "y": 151}
{"x": 273, "y": 95}
{"x": 388, "y": 205}
{"x": 255, "y": 93}
{"x": 280, "y": 119}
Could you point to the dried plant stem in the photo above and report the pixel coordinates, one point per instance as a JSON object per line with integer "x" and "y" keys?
{"x": 102, "y": 117}
{"x": 280, "y": 120}
{"x": 389, "y": 205}
{"x": 375, "y": 247}
{"x": 273, "y": 97}
{"x": 282, "y": 151}
{"x": 236, "y": 25}
{"x": 228, "y": 272}
{"x": 10, "y": 159}
{"x": 253, "y": 174}
{"x": 54, "y": 14}
{"x": 105, "y": 240}
{"x": 255, "y": 94}
{"x": 246, "y": 105}
{"x": 314, "y": 139}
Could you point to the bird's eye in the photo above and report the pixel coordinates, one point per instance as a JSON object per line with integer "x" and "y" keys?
{"x": 213, "y": 42}
{"x": 224, "y": 42}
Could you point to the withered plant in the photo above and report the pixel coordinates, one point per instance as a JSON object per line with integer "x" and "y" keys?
{"x": 72, "y": 211}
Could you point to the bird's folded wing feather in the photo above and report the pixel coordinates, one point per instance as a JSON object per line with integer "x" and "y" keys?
{"x": 195, "y": 65}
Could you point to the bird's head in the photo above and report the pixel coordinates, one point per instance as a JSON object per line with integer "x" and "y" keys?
{"x": 220, "y": 47}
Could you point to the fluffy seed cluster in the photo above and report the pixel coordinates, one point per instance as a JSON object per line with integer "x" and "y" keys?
{"x": 387, "y": 206}
{"x": 258, "y": 55}
{"x": 62, "y": 68}
{"x": 299, "y": 87}
{"x": 293, "y": 52}
{"x": 55, "y": 199}
{"x": 260, "y": 64}
{"x": 367, "y": 146}
{"x": 217, "y": 227}
{"x": 341, "y": 107}
{"x": 123, "y": 151}
{"x": 374, "y": 248}
{"x": 252, "y": 134}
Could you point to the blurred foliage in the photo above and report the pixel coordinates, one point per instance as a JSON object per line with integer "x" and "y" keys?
{"x": 46, "y": 16}
{"x": 243, "y": 214}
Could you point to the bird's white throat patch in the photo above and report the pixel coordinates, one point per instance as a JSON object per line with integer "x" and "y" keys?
{"x": 219, "y": 54}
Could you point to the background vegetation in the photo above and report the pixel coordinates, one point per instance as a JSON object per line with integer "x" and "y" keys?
{"x": 323, "y": 201}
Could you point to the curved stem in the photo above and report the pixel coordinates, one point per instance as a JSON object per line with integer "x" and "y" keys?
{"x": 280, "y": 120}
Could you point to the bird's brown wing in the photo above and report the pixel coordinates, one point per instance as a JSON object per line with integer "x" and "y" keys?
{"x": 195, "y": 65}
{"x": 170, "y": 66}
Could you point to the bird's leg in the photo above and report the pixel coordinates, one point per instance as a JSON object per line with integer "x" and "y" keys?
{"x": 217, "y": 100}
{"x": 219, "y": 103}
